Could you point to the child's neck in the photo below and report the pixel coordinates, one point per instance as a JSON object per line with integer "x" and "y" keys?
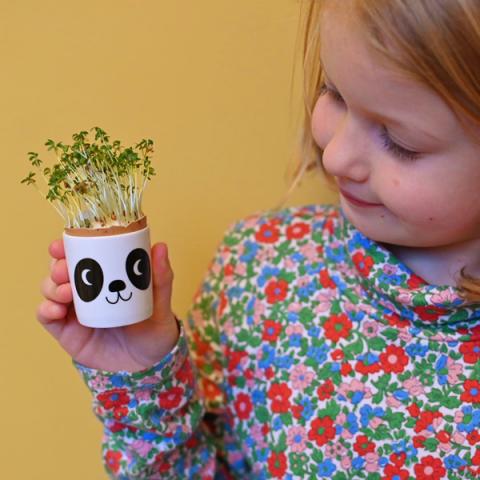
{"x": 440, "y": 265}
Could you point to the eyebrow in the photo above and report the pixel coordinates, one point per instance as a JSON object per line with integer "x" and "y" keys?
{"x": 390, "y": 120}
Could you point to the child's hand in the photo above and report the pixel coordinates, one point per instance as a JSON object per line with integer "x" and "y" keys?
{"x": 131, "y": 348}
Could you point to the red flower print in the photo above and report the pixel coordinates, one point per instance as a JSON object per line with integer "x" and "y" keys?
{"x": 337, "y": 326}
{"x": 325, "y": 390}
{"x": 398, "y": 459}
{"x": 170, "y": 398}
{"x": 366, "y": 368}
{"x": 322, "y": 430}
{"x": 210, "y": 389}
{"x": 473, "y": 437}
{"x": 269, "y": 373}
{"x": 200, "y": 345}
{"x": 363, "y": 445}
{"x": 114, "y": 398}
{"x": 243, "y": 406}
{"x": 345, "y": 369}
{"x": 297, "y": 411}
{"x": 425, "y": 420}
{"x": 120, "y": 412}
{"x": 430, "y": 313}
{"x": 222, "y": 303}
{"x": 395, "y": 473}
{"x": 476, "y": 457}
{"x": 234, "y": 358}
{"x": 419, "y": 441}
{"x": 413, "y": 410}
{"x": 112, "y": 460}
{"x": 228, "y": 269}
{"x": 164, "y": 467}
{"x": 337, "y": 354}
{"x": 328, "y": 226}
{"x": 429, "y": 469}
{"x": 277, "y": 464}
{"x": 271, "y": 330}
{"x": 364, "y": 264}
{"x": 276, "y": 290}
{"x": 414, "y": 281}
{"x": 472, "y": 391}
{"x": 393, "y": 359}
{"x": 185, "y": 374}
{"x": 297, "y": 230}
{"x": 279, "y": 394}
{"x": 395, "y": 321}
{"x": 443, "y": 436}
{"x": 325, "y": 280}
{"x": 117, "y": 427}
{"x": 268, "y": 233}
{"x": 470, "y": 351}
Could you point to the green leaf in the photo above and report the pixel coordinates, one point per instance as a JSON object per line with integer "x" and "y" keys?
{"x": 377, "y": 343}
{"x": 262, "y": 414}
{"x": 431, "y": 444}
{"x": 394, "y": 420}
{"x": 390, "y": 333}
{"x": 435, "y": 395}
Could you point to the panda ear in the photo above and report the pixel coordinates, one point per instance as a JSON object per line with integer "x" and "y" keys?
{"x": 138, "y": 268}
{"x": 88, "y": 277}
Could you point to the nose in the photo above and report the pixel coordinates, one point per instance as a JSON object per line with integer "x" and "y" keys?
{"x": 346, "y": 155}
{"x": 117, "y": 286}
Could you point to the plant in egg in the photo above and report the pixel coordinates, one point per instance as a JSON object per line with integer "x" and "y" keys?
{"x": 97, "y": 187}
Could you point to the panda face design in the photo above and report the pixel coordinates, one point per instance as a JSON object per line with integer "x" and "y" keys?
{"x": 90, "y": 279}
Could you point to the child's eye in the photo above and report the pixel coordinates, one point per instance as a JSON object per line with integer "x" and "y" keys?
{"x": 325, "y": 89}
{"x": 388, "y": 143}
{"x": 396, "y": 149}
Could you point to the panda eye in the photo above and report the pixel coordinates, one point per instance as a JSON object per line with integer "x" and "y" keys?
{"x": 138, "y": 268}
{"x": 88, "y": 279}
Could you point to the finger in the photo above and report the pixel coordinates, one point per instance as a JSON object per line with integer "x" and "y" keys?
{"x": 162, "y": 283}
{"x": 48, "y": 312}
{"x": 59, "y": 272}
{"x": 57, "y": 293}
{"x": 56, "y": 249}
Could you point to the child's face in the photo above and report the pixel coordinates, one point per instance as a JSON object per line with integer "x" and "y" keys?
{"x": 433, "y": 200}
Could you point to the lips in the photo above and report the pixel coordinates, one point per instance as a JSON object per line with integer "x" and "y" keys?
{"x": 357, "y": 201}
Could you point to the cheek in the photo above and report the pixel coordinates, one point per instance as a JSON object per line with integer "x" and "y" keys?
{"x": 323, "y": 120}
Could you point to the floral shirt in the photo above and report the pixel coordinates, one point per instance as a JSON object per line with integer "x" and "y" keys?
{"x": 311, "y": 352}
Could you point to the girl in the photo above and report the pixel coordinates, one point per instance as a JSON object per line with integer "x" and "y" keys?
{"x": 324, "y": 342}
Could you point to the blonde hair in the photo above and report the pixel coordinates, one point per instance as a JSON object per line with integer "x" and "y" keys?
{"x": 437, "y": 43}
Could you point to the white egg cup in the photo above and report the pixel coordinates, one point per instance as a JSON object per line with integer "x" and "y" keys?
{"x": 110, "y": 273}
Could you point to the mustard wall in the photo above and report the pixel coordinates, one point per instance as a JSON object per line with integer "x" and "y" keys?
{"x": 209, "y": 82}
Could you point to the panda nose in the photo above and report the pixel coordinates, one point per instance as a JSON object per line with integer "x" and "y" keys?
{"x": 117, "y": 286}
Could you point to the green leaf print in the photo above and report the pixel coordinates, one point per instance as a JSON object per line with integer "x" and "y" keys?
{"x": 286, "y": 418}
{"x": 282, "y": 443}
{"x": 390, "y": 334}
{"x": 431, "y": 444}
{"x": 394, "y": 420}
{"x": 332, "y": 410}
{"x": 306, "y": 316}
{"x": 377, "y": 343}
{"x": 262, "y": 414}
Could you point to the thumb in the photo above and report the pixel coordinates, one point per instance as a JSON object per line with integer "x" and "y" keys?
{"x": 162, "y": 283}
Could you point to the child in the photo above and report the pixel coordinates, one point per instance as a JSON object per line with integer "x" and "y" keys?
{"x": 325, "y": 342}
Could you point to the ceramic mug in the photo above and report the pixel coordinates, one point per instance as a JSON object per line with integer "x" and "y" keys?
{"x": 110, "y": 274}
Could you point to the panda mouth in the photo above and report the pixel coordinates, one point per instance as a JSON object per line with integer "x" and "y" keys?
{"x": 119, "y": 297}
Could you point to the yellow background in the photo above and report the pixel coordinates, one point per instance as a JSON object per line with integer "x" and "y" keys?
{"x": 209, "y": 82}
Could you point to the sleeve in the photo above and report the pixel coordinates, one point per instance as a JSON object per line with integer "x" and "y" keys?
{"x": 171, "y": 421}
